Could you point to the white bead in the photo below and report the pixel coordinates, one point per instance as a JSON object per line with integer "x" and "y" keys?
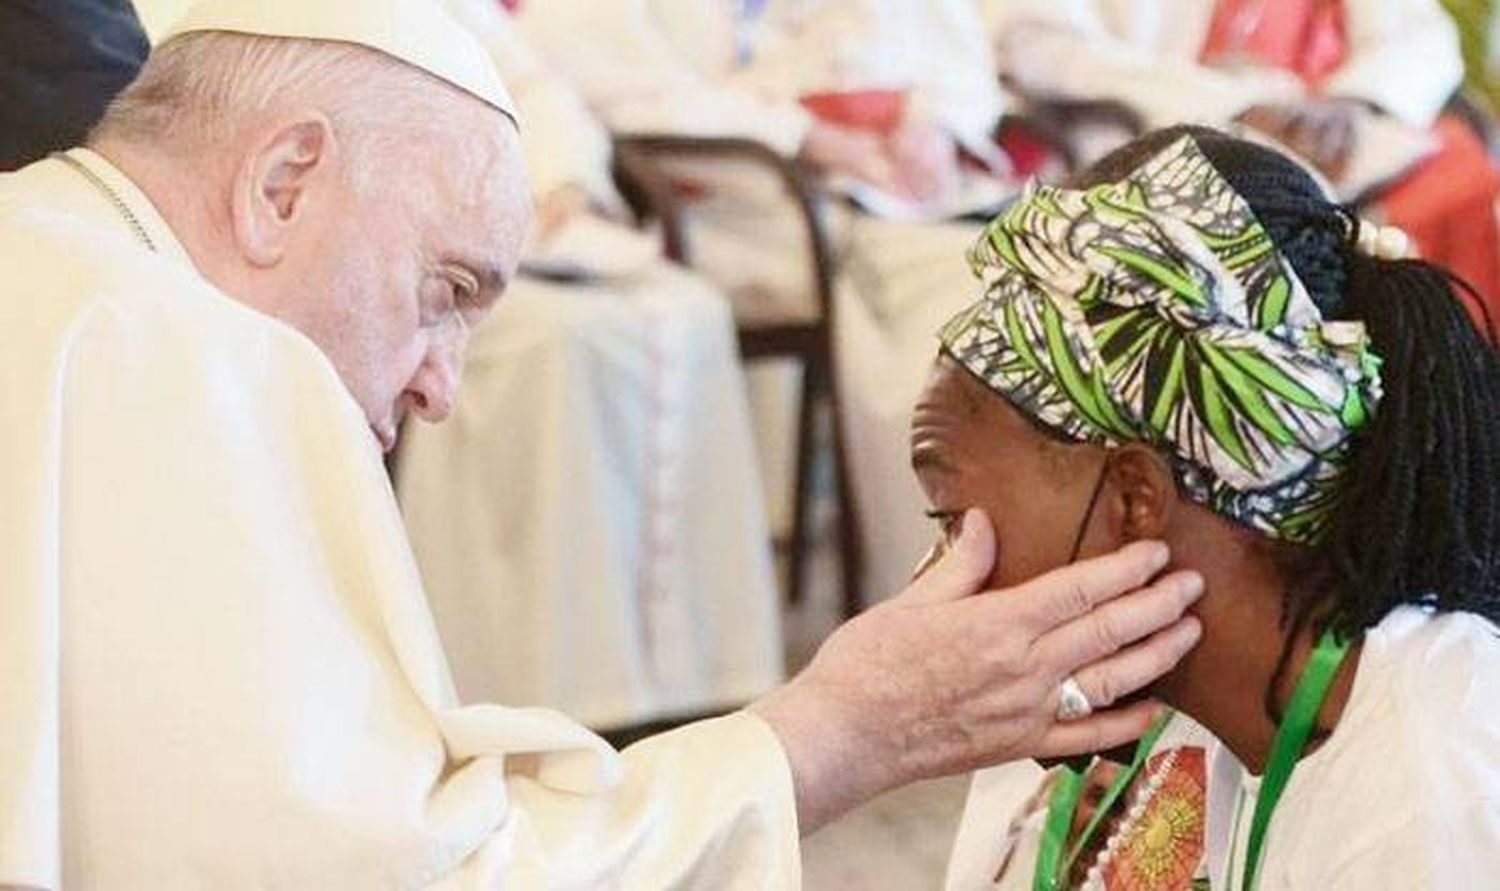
{"x": 1343, "y": 334}
{"x": 1392, "y": 244}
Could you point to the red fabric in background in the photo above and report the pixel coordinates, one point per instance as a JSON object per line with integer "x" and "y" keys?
{"x": 1302, "y": 36}
{"x": 879, "y": 111}
{"x": 1029, "y": 155}
{"x": 1447, "y": 205}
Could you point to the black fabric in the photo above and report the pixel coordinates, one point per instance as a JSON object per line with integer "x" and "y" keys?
{"x": 61, "y": 62}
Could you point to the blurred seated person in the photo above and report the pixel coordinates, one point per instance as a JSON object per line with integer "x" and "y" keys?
{"x": 61, "y": 62}
{"x": 894, "y": 101}
{"x": 601, "y": 403}
{"x": 1193, "y": 343}
{"x": 1357, "y": 88}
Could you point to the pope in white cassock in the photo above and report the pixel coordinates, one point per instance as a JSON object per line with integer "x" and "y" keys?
{"x": 220, "y": 671}
{"x": 897, "y": 101}
{"x": 588, "y": 522}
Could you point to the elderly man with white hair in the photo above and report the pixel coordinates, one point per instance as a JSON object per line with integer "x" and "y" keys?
{"x": 220, "y": 670}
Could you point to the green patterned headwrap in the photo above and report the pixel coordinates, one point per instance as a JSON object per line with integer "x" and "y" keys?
{"x": 1157, "y": 309}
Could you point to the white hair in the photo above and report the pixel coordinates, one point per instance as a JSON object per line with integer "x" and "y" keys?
{"x": 203, "y": 90}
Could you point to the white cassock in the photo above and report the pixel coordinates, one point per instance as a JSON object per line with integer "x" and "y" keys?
{"x": 726, "y": 69}
{"x": 589, "y": 523}
{"x": 220, "y": 670}
{"x": 1401, "y": 57}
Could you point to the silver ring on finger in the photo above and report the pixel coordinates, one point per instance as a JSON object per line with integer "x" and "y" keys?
{"x": 1072, "y": 703}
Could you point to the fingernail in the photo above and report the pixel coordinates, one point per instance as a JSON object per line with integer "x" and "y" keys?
{"x": 1191, "y": 585}
{"x": 1157, "y": 553}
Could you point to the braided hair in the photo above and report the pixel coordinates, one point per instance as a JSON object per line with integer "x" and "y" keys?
{"x": 1418, "y": 519}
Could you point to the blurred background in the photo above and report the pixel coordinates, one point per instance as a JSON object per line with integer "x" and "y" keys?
{"x": 680, "y": 458}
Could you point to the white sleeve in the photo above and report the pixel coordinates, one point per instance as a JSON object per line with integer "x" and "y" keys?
{"x": 1066, "y": 48}
{"x": 249, "y": 653}
{"x": 617, "y": 56}
{"x": 1458, "y": 849}
{"x": 707, "y": 806}
{"x": 1403, "y": 57}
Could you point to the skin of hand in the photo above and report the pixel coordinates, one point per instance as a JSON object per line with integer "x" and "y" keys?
{"x": 947, "y": 677}
{"x": 858, "y": 153}
{"x": 925, "y": 157}
{"x": 1321, "y": 130}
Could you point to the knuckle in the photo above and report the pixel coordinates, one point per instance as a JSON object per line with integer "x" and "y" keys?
{"x": 1106, "y": 632}
{"x": 1010, "y": 661}
{"x": 1077, "y": 600}
{"x": 1106, "y": 691}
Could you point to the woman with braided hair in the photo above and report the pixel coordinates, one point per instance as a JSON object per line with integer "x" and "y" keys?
{"x": 1192, "y": 343}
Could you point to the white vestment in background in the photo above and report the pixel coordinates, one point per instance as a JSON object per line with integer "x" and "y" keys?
{"x": 220, "y": 670}
{"x": 589, "y": 523}
{"x": 1402, "y": 57}
{"x": 695, "y": 68}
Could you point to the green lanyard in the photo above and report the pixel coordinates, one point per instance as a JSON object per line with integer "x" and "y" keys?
{"x": 1067, "y": 789}
{"x": 1291, "y": 739}
{"x": 1286, "y": 750}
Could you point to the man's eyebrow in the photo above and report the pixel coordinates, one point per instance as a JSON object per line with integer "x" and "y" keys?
{"x": 491, "y": 276}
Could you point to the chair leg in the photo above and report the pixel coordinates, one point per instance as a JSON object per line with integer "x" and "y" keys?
{"x": 802, "y": 497}
{"x": 851, "y": 546}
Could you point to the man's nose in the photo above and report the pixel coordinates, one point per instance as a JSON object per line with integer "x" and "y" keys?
{"x": 433, "y": 392}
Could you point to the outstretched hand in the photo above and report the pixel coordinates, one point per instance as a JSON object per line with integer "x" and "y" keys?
{"x": 947, "y": 677}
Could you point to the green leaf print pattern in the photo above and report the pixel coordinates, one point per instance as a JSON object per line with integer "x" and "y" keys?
{"x": 1158, "y": 310}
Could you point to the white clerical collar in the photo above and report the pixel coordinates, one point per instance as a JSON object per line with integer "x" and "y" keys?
{"x": 136, "y": 213}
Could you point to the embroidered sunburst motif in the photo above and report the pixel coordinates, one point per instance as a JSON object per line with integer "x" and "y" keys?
{"x": 1165, "y": 847}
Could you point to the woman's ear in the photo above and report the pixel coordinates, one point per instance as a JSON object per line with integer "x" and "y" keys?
{"x": 1144, "y": 489}
{"x": 272, "y": 186}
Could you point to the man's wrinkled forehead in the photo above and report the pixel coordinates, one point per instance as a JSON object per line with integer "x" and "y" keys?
{"x": 481, "y": 204}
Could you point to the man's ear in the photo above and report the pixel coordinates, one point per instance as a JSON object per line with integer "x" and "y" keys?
{"x": 272, "y": 187}
{"x": 1143, "y": 489}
